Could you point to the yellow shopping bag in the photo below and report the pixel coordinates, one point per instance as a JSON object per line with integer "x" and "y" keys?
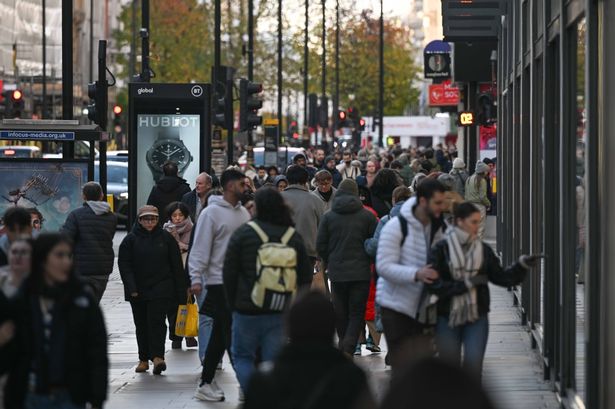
{"x": 187, "y": 323}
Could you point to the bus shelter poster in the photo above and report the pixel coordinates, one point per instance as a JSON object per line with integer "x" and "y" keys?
{"x": 162, "y": 138}
{"x": 54, "y": 188}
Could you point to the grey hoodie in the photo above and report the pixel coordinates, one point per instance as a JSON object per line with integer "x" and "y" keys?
{"x": 98, "y": 207}
{"x": 216, "y": 224}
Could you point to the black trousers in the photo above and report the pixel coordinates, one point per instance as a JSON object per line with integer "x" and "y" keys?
{"x": 406, "y": 338}
{"x": 349, "y": 301}
{"x": 151, "y": 328}
{"x": 215, "y": 306}
{"x": 172, "y": 318}
{"x": 98, "y": 284}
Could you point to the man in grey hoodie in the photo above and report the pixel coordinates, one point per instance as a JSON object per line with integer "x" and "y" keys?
{"x": 222, "y": 216}
{"x": 92, "y": 227}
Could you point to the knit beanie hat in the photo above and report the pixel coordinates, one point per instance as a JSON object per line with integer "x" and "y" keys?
{"x": 349, "y": 186}
{"x": 458, "y": 163}
{"x": 482, "y": 167}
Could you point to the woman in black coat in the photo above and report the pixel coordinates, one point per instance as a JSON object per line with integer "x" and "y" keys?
{"x": 465, "y": 266}
{"x": 152, "y": 271}
{"x": 385, "y": 182}
{"x": 61, "y": 340}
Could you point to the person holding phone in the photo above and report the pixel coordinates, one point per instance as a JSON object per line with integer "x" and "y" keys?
{"x": 465, "y": 266}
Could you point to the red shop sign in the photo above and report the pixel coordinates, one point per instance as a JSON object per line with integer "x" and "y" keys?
{"x": 443, "y": 95}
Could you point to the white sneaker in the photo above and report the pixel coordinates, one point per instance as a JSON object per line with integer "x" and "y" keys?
{"x": 242, "y": 397}
{"x": 208, "y": 392}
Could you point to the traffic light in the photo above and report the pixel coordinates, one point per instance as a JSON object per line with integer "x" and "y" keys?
{"x": 292, "y": 131}
{"x": 223, "y": 115}
{"x": 324, "y": 112}
{"x": 97, "y": 108}
{"x": 249, "y": 104}
{"x": 487, "y": 112}
{"x": 313, "y": 115}
{"x": 13, "y": 103}
{"x": 361, "y": 124}
{"x": 353, "y": 116}
{"x": 220, "y": 104}
{"x": 117, "y": 115}
{"x": 341, "y": 119}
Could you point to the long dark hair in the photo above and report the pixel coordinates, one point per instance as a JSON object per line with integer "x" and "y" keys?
{"x": 464, "y": 210}
{"x": 385, "y": 182}
{"x": 41, "y": 248}
{"x": 271, "y": 208}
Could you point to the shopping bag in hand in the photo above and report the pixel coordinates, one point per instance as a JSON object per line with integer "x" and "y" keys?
{"x": 187, "y": 323}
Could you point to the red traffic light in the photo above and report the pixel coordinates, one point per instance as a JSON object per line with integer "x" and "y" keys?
{"x": 17, "y": 95}
{"x": 361, "y": 122}
{"x": 341, "y": 115}
{"x": 117, "y": 109}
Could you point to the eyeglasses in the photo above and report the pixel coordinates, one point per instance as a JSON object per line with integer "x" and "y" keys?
{"x": 149, "y": 219}
{"x": 37, "y": 222}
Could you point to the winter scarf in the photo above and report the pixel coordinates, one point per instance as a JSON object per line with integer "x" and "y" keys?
{"x": 465, "y": 259}
{"x": 181, "y": 232}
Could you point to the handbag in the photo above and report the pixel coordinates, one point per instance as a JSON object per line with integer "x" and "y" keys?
{"x": 187, "y": 322}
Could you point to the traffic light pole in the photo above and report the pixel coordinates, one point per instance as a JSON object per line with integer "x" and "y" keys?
{"x": 305, "y": 74}
{"x": 381, "y": 80}
{"x": 228, "y": 92}
{"x": 44, "y": 78}
{"x": 104, "y": 117}
{"x": 68, "y": 148}
{"x": 279, "y": 72}
{"x": 146, "y": 73}
{"x": 250, "y": 147}
{"x": 336, "y": 100}
{"x": 324, "y": 67}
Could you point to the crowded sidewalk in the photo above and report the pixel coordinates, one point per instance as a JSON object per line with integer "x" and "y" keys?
{"x": 512, "y": 371}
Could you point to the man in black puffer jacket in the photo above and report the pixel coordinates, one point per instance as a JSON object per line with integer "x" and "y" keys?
{"x": 169, "y": 188}
{"x": 341, "y": 235}
{"x": 92, "y": 227}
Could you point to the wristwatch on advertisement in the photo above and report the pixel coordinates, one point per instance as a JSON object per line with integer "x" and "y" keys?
{"x": 168, "y": 147}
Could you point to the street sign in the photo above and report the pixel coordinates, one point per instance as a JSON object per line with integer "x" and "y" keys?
{"x": 37, "y": 136}
{"x": 479, "y": 20}
{"x": 466, "y": 118}
{"x": 271, "y": 122}
{"x": 443, "y": 94}
{"x": 437, "y": 57}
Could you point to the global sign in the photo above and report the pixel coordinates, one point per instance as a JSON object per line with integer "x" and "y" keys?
{"x": 437, "y": 57}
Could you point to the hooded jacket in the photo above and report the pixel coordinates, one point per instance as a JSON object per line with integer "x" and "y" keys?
{"x": 92, "y": 227}
{"x": 307, "y": 212}
{"x": 240, "y": 265}
{"x": 328, "y": 203}
{"x": 371, "y": 244}
{"x": 461, "y": 176}
{"x": 151, "y": 265}
{"x": 337, "y": 176}
{"x": 397, "y": 264}
{"x": 341, "y": 236}
{"x": 216, "y": 224}
{"x": 168, "y": 189}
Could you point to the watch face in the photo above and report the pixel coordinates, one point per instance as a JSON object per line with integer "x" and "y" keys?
{"x": 169, "y": 150}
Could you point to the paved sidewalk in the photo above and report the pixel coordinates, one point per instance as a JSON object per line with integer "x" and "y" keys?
{"x": 512, "y": 372}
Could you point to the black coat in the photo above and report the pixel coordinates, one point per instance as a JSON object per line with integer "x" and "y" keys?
{"x": 239, "y": 273}
{"x": 150, "y": 264}
{"x": 447, "y": 287}
{"x": 189, "y": 199}
{"x": 93, "y": 238}
{"x": 85, "y": 359}
{"x": 341, "y": 237}
{"x": 168, "y": 189}
{"x": 308, "y": 377}
{"x": 381, "y": 202}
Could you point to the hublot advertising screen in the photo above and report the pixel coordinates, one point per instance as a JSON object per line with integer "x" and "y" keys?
{"x": 168, "y": 122}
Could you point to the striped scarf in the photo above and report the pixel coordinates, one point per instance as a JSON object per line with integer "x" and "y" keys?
{"x": 465, "y": 259}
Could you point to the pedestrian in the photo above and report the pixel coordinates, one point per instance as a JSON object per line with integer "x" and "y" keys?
{"x": 476, "y": 193}
{"x": 465, "y": 265}
{"x": 179, "y": 225}
{"x": 169, "y": 188}
{"x": 402, "y": 267}
{"x": 330, "y": 165}
{"x": 349, "y": 169}
{"x": 461, "y": 176}
{"x": 381, "y": 192}
{"x": 307, "y": 209}
{"x": 262, "y": 178}
{"x": 60, "y": 360}
{"x": 407, "y": 172}
{"x": 17, "y": 223}
{"x": 400, "y": 195}
{"x": 324, "y": 188}
{"x": 271, "y": 243}
{"x": 301, "y": 160}
{"x": 341, "y": 236}
{"x": 370, "y": 173}
{"x": 452, "y": 197}
{"x": 92, "y": 227}
{"x": 273, "y": 172}
{"x": 151, "y": 269}
{"x": 37, "y": 220}
{"x": 433, "y": 384}
{"x": 223, "y": 215}
{"x": 319, "y": 158}
{"x": 309, "y": 372}
{"x": 280, "y": 182}
{"x": 195, "y": 199}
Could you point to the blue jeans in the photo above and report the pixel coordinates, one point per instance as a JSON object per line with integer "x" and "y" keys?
{"x": 60, "y": 400}
{"x": 251, "y": 332}
{"x": 205, "y": 324}
{"x": 472, "y": 336}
